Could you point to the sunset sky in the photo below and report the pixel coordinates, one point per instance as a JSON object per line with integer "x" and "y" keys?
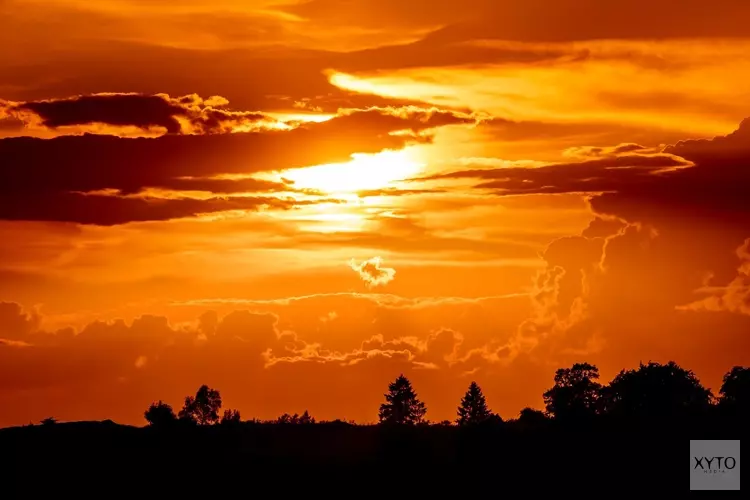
{"x": 295, "y": 201}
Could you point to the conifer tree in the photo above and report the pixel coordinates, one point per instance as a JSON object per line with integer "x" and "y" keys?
{"x": 473, "y": 408}
{"x": 401, "y": 404}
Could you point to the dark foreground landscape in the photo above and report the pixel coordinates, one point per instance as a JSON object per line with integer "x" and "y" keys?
{"x": 107, "y": 460}
{"x": 631, "y": 436}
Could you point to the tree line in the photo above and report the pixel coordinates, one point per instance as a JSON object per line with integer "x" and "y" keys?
{"x": 651, "y": 391}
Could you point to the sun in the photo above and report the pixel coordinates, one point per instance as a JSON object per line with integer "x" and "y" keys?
{"x": 362, "y": 172}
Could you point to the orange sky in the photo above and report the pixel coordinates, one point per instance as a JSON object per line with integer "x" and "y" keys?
{"x": 295, "y": 201}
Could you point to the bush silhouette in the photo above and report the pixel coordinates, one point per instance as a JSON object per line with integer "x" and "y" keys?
{"x": 401, "y": 404}
{"x": 529, "y": 417}
{"x": 160, "y": 414}
{"x": 230, "y": 417}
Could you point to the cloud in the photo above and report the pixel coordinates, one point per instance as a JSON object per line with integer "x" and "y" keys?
{"x": 535, "y": 20}
{"x": 666, "y": 223}
{"x": 715, "y": 188}
{"x": 88, "y": 178}
{"x": 413, "y": 119}
{"x": 17, "y": 323}
{"x": 594, "y": 175}
{"x": 733, "y": 297}
{"x": 265, "y": 357}
{"x": 693, "y": 180}
{"x": 641, "y": 250}
{"x": 667, "y": 94}
{"x": 372, "y": 273}
{"x": 187, "y": 114}
{"x": 613, "y": 151}
{"x": 110, "y": 210}
{"x": 601, "y": 227}
{"x": 191, "y": 114}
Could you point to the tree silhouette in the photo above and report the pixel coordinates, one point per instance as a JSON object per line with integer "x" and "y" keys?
{"x": 286, "y": 418}
{"x": 230, "y": 417}
{"x": 160, "y": 414}
{"x": 306, "y": 418}
{"x": 202, "y": 409}
{"x": 575, "y": 392}
{"x": 735, "y": 390}
{"x": 473, "y": 408}
{"x": 49, "y": 421}
{"x": 655, "y": 390}
{"x": 401, "y": 404}
{"x": 531, "y": 417}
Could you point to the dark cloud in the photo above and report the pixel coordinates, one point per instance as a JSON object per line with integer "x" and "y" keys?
{"x": 660, "y": 273}
{"x": 415, "y": 120}
{"x": 187, "y": 114}
{"x": 604, "y": 174}
{"x": 256, "y": 60}
{"x": 699, "y": 180}
{"x": 521, "y": 140}
{"x": 731, "y": 148}
{"x": 42, "y": 179}
{"x": 670, "y": 227}
{"x": 715, "y": 189}
{"x": 114, "y": 109}
{"x": 601, "y": 227}
{"x": 271, "y": 79}
{"x": 108, "y": 210}
{"x": 566, "y": 20}
{"x": 536, "y": 20}
{"x": 693, "y": 187}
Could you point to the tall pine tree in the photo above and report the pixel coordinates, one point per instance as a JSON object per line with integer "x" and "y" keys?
{"x": 473, "y": 408}
{"x": 401, "y": 404}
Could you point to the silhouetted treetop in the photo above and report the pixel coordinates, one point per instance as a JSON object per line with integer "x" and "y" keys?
{"x": 401, "y": 404}
{"x": 202, "y": 409}
{"x": 160, "y": 414}
{"x": 473, "y": 408}
{"x": 735, "y": 390}
{"x": 286, "y": 418}
{"x": 230, "y": 417}
{"x": 306, "y": 418}
{"x": 651, "y": 392}
{"x": 655, "y": 390}
{"x": 575, "y": 392}
{"x": 531, "y": 417}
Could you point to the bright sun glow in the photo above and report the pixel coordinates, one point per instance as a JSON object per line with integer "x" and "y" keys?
{"x": 363, "y": 172}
